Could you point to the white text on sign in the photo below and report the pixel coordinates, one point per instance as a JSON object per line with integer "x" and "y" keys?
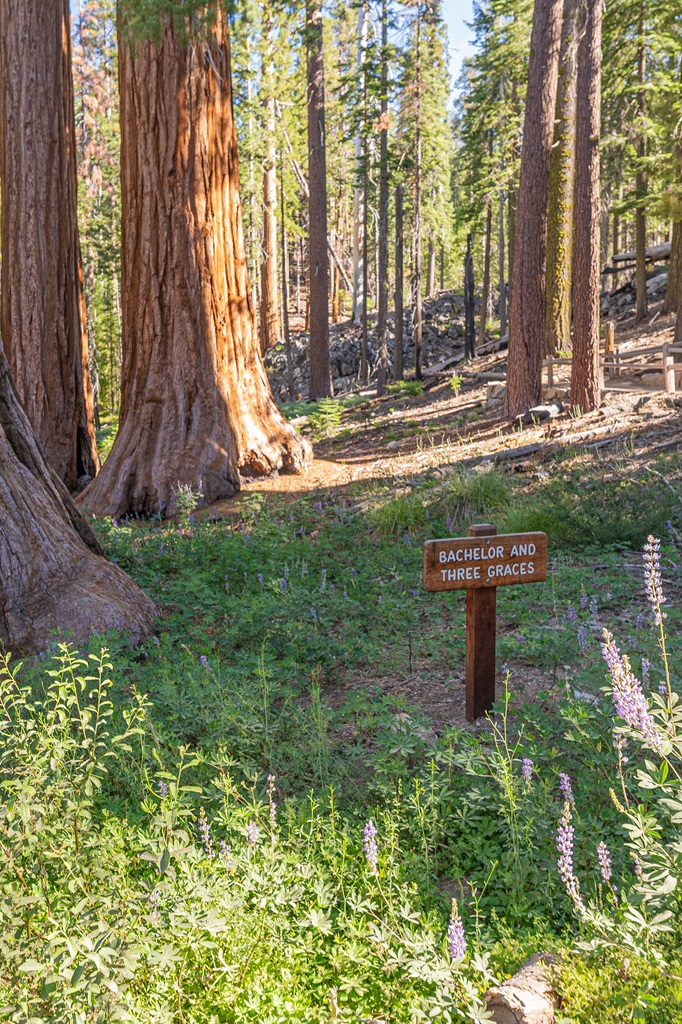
{"x": 478, "y": 562}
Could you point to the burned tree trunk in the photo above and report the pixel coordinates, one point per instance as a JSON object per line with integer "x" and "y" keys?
{"x": 585, "y": 390}
{"x": 196, "y": 407}
{"x": 52, "y": 573}
{"x": 527, "y": 315}
{"x": 43, "y": 305}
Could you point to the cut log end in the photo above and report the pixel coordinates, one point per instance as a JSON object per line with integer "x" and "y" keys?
{"x": 528, "y": 997}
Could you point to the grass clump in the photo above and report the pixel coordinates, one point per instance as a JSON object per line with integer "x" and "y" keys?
{"x": 470, "y": 496}
{"x": 406, "y": 388}
{"x": 404, "y": 514}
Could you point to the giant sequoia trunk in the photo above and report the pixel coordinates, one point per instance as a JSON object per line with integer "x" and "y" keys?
{"x": 196, "y": 407}
{"x": 561, "y": 184}
{"x": 585, "y": 391}
{"x": 53, "y": 577}
{"x": 43, "y": 308}
{"x": 527, "y": 317}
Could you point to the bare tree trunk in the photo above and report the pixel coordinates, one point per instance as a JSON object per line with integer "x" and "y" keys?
{"x": 524, "y": 367}
{"x": 382, "y": 284}
{"x": 417, "y": 317}
{"x": 285, "y": 296}
{"x": 641, "y": 180}
{"x": 399, "y": 256}
{"x": 43, "y": 325}
{"x": 320, "y": 368}
{"x": 503, "y": 282}
{"x": 485, "y": 298}
{"x": 512, "y": 205}
{"x": 561, "y": 185}
{"x": 358, "y": 205}
{"x": 196, "y": 407}
{"x": 673, "y": 294}
{"x": 585, "y": 391}
{"x": 469, "y": 327}
{"x": 431, "y": 268}
{"x": 269, "y": 313}
{"x": 53, "y": 577}
{"x": 364, "y": 344}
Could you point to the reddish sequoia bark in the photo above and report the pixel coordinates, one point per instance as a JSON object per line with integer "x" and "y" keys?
{"x": 269, "y": 313}
{"x": 527, "y": 316}
{"x": 320, "y": 369}
{"x": 585, "y": 391}
{"x": 43, "y": 306}
{"x": 196, "y": 407}
{"x": 52, "y": 573}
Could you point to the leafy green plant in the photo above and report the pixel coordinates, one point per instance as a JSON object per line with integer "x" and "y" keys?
{"x": 407, "y": 388}
{"x": 469, "y": 496}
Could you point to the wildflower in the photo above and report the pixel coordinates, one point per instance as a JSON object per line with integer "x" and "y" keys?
{"x": 204, "y": 662}
{"x": 456, "y": 936}
{"x": 662, "y": 688}
{"x": 225, "y": 852}
{"x": 272, "y": 789}
{"x": 646, "y": 666}
{"x": 154, "y": 900}
{"x": 369, "y": 838}
{"x": 324, "y": 579}
{"x": 163, "y": 788}
{"x": 318, "y": 506}
{"x": 637, "y": 867}
{"x": 415, "y": 593}
{"x": 639, "y": 623}
{"x": 572, "y": 616}
{"x": 252, "y": 833}
{"x": 304, "y": 571}
{"x": 354, "y": 572}
{"x": 565, "y": 787}
{"x": 653, "y": 583}
{"x": 527, "y": 769}
{"x": 582, "y": 637}
{"x": 593, "y": 607}
{"x": 584, "y": 601}
{"x": 628, "y": 697}
{"x": 520, "y": 638}
{"x": 205, "y": 833}
{"x": 604, "y": 861}
{"x": 286, "y": 572}
{"x": 505, "y": 669}
{"x": 564, "y": 845}
{"x": 345, "y": 592}
{"x": 448, "y": 524}
{"x": 260, "y": 578}
{"x": 407, "y": 540}
{"x": 283, "y": 586}
{"x": 313, "y": 612}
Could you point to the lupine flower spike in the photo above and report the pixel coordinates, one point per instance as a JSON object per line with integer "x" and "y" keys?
{"x": 527, "y": 770}
{"x": 205, "y": 832}
{"x": 653, "y": 582}
{"x": 252, "y": 833}
{"x": 456, "y": 936}
{"x": 604, "y": 861}
{"x": 628, "y": 696}
{"x": 272, "y": 789}
{"x": 369, "y": 837}
{"x": 565, "y": 787}
{"x": 564, "y": 845}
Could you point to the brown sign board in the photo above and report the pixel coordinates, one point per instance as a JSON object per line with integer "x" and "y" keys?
{"x": 485, "y": 561}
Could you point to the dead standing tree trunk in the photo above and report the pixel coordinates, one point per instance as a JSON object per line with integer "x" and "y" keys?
{"x": 196, "y": 406}
{"x": 527, "y": 316}
{"x": 52, "y": 573}
{"x": 43, "y": 305}
{"x": 585, "y": 390}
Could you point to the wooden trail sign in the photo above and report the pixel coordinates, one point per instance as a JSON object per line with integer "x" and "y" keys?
{"x": 480, "y": 563}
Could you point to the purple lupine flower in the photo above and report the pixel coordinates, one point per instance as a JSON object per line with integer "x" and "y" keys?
{"x": 520, "y": 638}
{"x": 369, "y": 839}
{"x": 354, "y": 572}
{"x": 252, "y": 833}
{"x": 318, "y": 506}
{"x": 324, "y": 579}
{"x": 628, "y": 697}
{"x": 204, "y": 662}
{"x": 565, "y": 787}
{"x": 504, "y": 668}
{"x": 527, "y": 769}
{"x": 260, "y": 578}
{"x": 163, "y": 788}
{"x": 670, "y": 528}
{"x": 205, "y": 833}
{"x": 593, "y": 607}
{"x": 345, "y": 592}
{"x": 564, "y": 845}
{"x": 272, "y": 789}
{"x": 637, "y": 867}
{"x": 646, "y": 668}
{"x": 283, "y": 586}
{"x": 304, "y": 571}
{"x": 225, "y": 852}
{"x": 640, "y": 621}
{"x": 582, "y": 636}
{"x": 604, "y": 861}
{"x": 415, "y": 593}
{"x": 662, "y": 688}
{"x": 653, "y": 583}
{"x": 407, "y": 540}
{"x": 584, "y": 601}
{"x": 456, "y": 937}
{"x": 313, "y": 612}
{"x": 572, "y": 616}
{"x": 286, "y": 572}
{"x": 154, "y": 903}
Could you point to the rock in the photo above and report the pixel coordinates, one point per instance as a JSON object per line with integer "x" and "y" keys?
{"x": 528, "y": 997}
{"x": 550, "y": 394}
{"x": 541, "y": 412}
{"x": 656, "y": 285}
{"x": 393, "y": 446}
{"x": 652, "y": 380}
{"x": 495, "y": 392}
{"x": 81, "y": 483}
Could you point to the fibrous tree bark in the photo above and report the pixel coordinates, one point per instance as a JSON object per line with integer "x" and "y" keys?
{"x": 53, "y": 577}
{"x": 358, "y": 204}
{"x": 196, "y": 407}
{"x": 382, "y": 283}
{"x": 503, "y": 281}
{"x": 269, "y": 313}
{"x": 527, "y": 316}
{"x": 469, "y": 325}
{"x": 417, "y": 312}
{"x": 561, "y": 184}
{"x": 431, "y": 267}
{"x": 485, "y": 298}
{"x": 43, "y": 305}
{"x": 320, "y": 368}
{"x": 673, "y": 292}
{"x": 640, "y": 177}
{"x": 399, "y": 255}
{"x": 585, "y": 389}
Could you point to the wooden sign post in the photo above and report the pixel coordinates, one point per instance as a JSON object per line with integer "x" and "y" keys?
{"x": 480, "y": 563}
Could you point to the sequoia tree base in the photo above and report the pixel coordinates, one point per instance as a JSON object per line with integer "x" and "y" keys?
{"x": 54, "y": 581}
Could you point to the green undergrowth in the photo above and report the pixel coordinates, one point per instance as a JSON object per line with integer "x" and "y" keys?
{"x": 208, "y": 865}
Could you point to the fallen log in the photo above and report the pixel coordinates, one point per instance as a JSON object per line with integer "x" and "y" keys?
{"x": 528, "y": 997}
